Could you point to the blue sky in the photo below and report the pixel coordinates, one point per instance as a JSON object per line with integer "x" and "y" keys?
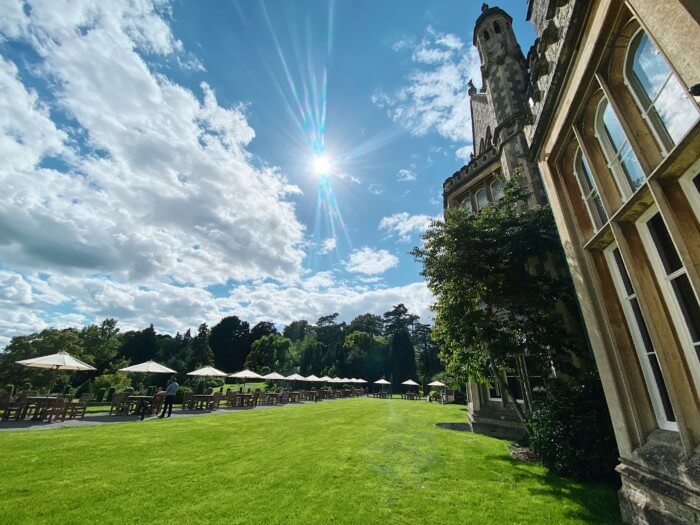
{"x": 159, "y": 156}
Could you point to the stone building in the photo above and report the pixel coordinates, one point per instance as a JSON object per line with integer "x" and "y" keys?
{"x": 611, "y": 125}
{"x": 615, "y": 132}
{"x": 500, "y": 115}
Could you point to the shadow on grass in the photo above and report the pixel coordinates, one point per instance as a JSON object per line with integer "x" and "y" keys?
{"x": 597, "y": 502}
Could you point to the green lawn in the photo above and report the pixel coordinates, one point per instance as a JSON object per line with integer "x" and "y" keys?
{"x": 343, "y": 461}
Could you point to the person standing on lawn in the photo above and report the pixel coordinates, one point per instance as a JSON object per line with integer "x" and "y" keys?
{"x": 170, "y": 392}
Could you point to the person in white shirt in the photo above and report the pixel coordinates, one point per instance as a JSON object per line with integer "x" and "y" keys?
{"x": 170, "y": 392}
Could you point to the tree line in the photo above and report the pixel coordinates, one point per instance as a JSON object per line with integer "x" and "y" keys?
{"x": 395, "y": 346}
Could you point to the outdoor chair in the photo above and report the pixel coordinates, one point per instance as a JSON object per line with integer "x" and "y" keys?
{"x": 188, "y": 401}
{"x": 121, "y": 405}
{"x": 215, "y": 402}
{"x": 78, "y": 409}
{"x": 253, "y": 401}
{"x": 18, "y": 407}
{"x": 156, "y": 403}
{"x": 55, "y": 409}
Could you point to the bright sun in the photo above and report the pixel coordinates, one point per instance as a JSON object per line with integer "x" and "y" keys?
{"x": 322, "y": 165}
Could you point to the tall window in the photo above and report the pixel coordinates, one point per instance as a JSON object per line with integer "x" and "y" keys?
{"x": 663, "y": 100}
{"x": 468, "y": 203}
{"x": 589, "y": 192}
{"x": 618, "y": 152}
{"x": 642, "y": 342}
{"x": 482, "y": 199}
{"x": 675, "y": 285}
{"x": 497, "y": 190}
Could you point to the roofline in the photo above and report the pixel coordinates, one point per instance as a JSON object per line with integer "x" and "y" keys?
{"x": 487, "y": 13}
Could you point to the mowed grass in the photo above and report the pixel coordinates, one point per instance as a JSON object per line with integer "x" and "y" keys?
{"x": 343, "y": 461}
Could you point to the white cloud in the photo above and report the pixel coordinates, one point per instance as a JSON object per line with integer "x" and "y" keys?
{"x": 435, "y": 98}
{"x": 405, "y": 175}
{"x": 166, "y": 188}
{"x": 377, "y": 189}
{"x": 371, "y": 262}
{"x": 350, "y": 178}
{"x": 404, "y": 226}
{"x": 328, "y": 245}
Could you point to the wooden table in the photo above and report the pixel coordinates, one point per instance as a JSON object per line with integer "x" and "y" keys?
{"x": 202, "y": 401}
{"x": 139, "y": 402}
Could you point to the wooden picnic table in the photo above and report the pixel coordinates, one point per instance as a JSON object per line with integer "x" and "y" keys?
{"x": 202, "y": 401}
{"x": 138, "y": 402}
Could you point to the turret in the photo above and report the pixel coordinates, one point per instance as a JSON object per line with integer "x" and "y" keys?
{"x": 503, "y": 66}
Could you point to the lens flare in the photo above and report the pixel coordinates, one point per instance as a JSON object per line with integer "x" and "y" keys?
{"x": 322, "y": 165}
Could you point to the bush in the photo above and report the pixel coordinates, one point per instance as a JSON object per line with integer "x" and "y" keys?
{"x": 199, "y": 387}
{"x": 110, "y": 394}
{"x": 100, "y": 395}
{"x": 180, "y": 392}
{"x": 84, "y": 388}
{"x": 571, "y": 432}
{"x": 150, "y": 390}
{"x": 118, "y": 381}
{"x": 11, "y": 389}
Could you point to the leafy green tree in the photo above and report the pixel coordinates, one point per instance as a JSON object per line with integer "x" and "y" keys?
{"x": 310, "y": 355}
{"x": 140, "y": 346}
{"x": 366, "y": 355}
{"x": 369, "y": 323}
{"x": 202, "y": 354}
{"x": 103, "y": 342}
{"x": 269, "y": 353}
{"x": 297, "y": 330}
{"x": 402, "y": 357}
{"x": 495, "y": 302}
{"x": 330, "y": 335}
{"x": 230, "y": 342}
{"x": 427, "y": 353}
{"x": 398, "y": 318}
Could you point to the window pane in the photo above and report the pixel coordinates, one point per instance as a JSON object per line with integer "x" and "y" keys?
{"x": 689, "y": 305}
{"x": 664, "y": 244}
{"x": 468, "y": 203}
{"x": 514, "y": 385}
{"x": 675, "y": 110}
{"x": 696, "y": 182}
{"x": 613, "y": 128}
{"x": 649, "y": 66}
{"x": 497, "y": 190}
{"x": 585, "y": 174}
{"x": 599, "y": 210}
{"x": 481, "y": 199}
{"x": 648, "y": 347}
{"x": 630, "y": 165}
{"x": 661, "y": 385}
{"x": 623, "y": 272}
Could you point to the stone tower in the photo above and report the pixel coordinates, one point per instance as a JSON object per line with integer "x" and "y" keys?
{"x": 505, "y": 80}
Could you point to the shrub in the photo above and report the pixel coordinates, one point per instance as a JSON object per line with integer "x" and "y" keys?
{"x": 571, "y": 432}
{"x": 84, "y": 388}
{"x": 150, "y": 390}
{"x": 118, "y": 381}
{"x": 11, "y": 389}
{"x": 180, "y": 392}
{"x": 199, "y": 387}
{"x": 100, "y": 395}
{"x": 110, "y": 393}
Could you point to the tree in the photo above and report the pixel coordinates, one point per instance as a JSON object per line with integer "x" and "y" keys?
{"x": 202, "y": 354}
{"x": 103, "y": 342}
{"x": 269, "y": 353}
{"x": 402, "y": 356}
{"x": 330, "y": 336}
{"x": 495, "y": 302}
{"x": 397, "y": 319}
{"x": 366, "y": 355}
{"x": 310, "y": 355}
{"x": 297, "y": 330}
{"x": 229, "y": 340}
{"x": 262, "y": 329}
{"x": 427, "y": 353}
{"x": 140, "y": 346}
{"x": 368, "y": 323}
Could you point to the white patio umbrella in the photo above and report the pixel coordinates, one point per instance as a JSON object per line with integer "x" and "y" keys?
{"x": 362, "y": 381}
{"x": 148, "y": 367}
{"x": 325, "y": 379}
{"x": 245, "y": 374}
{"x": 437, "y": 383}
{"x": 336, "y": 380}
{"x": 295, "y": 377}
{"x": 273, "y": 376}
{"x": 59, "y": 361}
{"x": 312, "y": 379}
{"x": 409, "y": 382}
{"x": 62, "y": 361}
{"x": 207, "y": 371}
{"x": 382, "y": 382}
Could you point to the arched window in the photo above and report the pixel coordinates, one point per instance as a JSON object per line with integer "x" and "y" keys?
{"x": 618, "y": 152}
{"x": 589, "y": 192}
{"x": 496, "y": 27}
{"x": 497, "y": 190}
{"x": 468, "y": 203}
{"x": 482, "y": 199}
{"x": 663, "y": 100}
{"x": 486, "y": 35}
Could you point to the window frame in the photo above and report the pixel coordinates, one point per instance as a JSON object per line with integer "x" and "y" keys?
{"x": 691, "y": 350}
{"x": 476, "y": 198}
{"x": 625, "y": 301}
{"x": 597, "y": 222}
{"x": 468, "y": 199}
{"x": 612, "y": 157}
{"x": 689, "y": 189}
{"x": 629, "y": 78}
{"x": 496, "y": 181}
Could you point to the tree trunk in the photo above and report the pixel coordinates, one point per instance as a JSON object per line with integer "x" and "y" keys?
{"x": 506, "y": 388}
